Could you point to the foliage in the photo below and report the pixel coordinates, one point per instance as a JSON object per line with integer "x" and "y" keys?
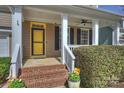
{"x": 4, "y": 68}
{"x": 99, "y": 64}
{"x": 16, "y": 83}
{"x": 75, "y": 75}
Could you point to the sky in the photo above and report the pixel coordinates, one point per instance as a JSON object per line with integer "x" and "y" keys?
{"x": 119, "y": 9}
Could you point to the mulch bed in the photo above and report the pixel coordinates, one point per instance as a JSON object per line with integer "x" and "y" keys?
{"x": 118, "y": 85}
{"x": 4, "y": 85}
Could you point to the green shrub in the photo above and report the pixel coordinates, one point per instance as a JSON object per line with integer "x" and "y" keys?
{"x": 4, "y": 68}
{"x": 99, "y": 64}
{"x": 16, "y": 83}
{"x": 74, "y": 77}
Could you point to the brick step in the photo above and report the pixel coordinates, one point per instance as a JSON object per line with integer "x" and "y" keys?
{"x": 44, "y": 76}
{"x": 46, "y": 82}
{"x": 41, "y": 73}
{"x": 37, "y": 75}
{"x": 42, "y": 68}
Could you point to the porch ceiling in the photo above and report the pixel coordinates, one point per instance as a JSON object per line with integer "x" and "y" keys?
{"x": 48, "y": 17}
{"x": 35, "y": 13}
{"x": 76, "y": 11}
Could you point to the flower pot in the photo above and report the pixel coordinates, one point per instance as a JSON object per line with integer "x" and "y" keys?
{"x": 73, "y": 84}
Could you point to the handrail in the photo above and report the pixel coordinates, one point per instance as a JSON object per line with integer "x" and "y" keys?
{"x": 69, "y": 58}
{"x": 70, "y": 52}
{"x": 15, "y": 62}
{"x": 75, "y": 46}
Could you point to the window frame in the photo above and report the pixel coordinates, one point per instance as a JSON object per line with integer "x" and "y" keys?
{"x": 81, "y": 31}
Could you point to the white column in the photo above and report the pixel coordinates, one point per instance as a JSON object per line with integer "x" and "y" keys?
{"x": 64, "y": 30}
{"x": 95, "y": 32}
{"x": 17, "y": 29}
{"x": 116, "y": 35}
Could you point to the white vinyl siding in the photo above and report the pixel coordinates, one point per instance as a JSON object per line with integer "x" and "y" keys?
{"x": 5, "y": 19}
{"x": 4, "y": 46}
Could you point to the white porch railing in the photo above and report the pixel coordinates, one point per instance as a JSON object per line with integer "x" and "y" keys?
{"x": 72, "y": 47}
{"x": 69, "y": 58}
{"x": 15, "y": 62}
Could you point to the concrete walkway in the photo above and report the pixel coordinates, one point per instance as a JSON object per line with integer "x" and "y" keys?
{"x": 41, "y": 62}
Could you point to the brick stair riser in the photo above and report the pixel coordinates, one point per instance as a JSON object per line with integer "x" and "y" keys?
{"x": 47, "y": 83}
{"x": 47, "y": 78}
{"x": 44, "y": 76}
{"x": 42, "y": 72}
{"x": 36, "y": 76}
{"x": 35, "y": 69}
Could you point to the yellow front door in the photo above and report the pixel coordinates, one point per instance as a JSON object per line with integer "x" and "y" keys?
{"x": 37, "y": 42}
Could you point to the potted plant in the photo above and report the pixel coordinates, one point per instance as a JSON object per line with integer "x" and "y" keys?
{"x": 74, "y": 79}
{"x": 16, "y": 83}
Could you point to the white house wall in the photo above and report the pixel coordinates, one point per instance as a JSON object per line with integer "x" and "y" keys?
{"x": 5, "y": 19}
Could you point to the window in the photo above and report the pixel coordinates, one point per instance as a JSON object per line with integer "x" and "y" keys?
{"x": 84, "y": 38}
{"x": 121, "y": 36}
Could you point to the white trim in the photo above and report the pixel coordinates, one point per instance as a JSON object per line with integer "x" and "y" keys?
{"x": 17, "y": 30}
{"x": 64, "y": 29}
{"x": 95, "y": 32}
{"x": 42, "y": 20}
{"x": 118, "y": 33}
{"x": 69, "y": 61}
{"x": 41, "y": 10}
{"x": 4, "y": 30}
{"x": 113, "y": 41}
{"x": 84, "y": 29}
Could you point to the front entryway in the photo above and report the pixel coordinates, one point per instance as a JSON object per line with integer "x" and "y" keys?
{"x": 37, "y": 39}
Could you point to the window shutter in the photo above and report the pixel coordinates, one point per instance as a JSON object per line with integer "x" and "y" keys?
{"x": 71, "y": 35}
{"x": 56, "y": 37}
{"x": 90, "y": 37}
{"x": 78, "y": 35}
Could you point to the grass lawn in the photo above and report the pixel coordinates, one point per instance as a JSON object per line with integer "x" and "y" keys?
{"x": 4, "y": 68}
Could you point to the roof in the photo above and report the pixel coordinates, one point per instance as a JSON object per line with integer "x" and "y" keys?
{"x": 100, "y": 10}
{"x": 77, "y": 11}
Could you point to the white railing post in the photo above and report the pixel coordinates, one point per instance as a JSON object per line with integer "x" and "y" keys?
{"x": 69, "y": 59}
{"x": 95, "y": 32}
{"x": 64, "y": 27}
{"x": 73, "y": 65}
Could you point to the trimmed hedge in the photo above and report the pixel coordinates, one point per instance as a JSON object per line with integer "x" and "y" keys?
{"x": 4, "y": 68}
{"x": 99, "y": 64}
